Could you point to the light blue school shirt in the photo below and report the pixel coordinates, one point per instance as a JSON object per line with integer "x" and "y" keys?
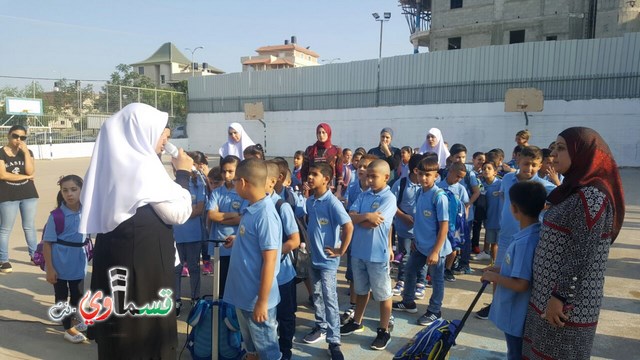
{"x": 473, "y": 181}
{"x": 508, "y": 224}
{"x": 259, "y": 230}
{"x": 494, "y": 204}
{"x": 289, "y": 227}
{"x": 326, "y": 216}
{"x": 192, "y": 230}
{"x": 224, "y": 200}
{"x": 457, "y": 189}
{"x": 509, "y": 308}
{"x": 426, "y": 222}
{"x": 407, "y": 204}
{"x": 299, "y": 210}
{"x": 373, "y": 244}
{"x": 353, "y": 192}
{"x": 69, "y": 262}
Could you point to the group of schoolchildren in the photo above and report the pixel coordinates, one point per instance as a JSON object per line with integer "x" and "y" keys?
{"x": 253, "y": 205}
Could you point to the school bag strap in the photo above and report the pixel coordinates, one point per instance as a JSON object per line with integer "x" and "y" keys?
{"x": 58, "y": 220}
{"x": 401, "y": 188}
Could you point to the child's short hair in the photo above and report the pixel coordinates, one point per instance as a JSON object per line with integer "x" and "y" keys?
{"x": 229, "y": 159}
{"x": 344, "y": 151}
{"x": 492, "y": 157}
{"x": 253, "y": 171}
{"x": 408, "y": 149}
{"x": 198, "y": 157}
{"x": 215, "y": 174}
{"x": 430, "y": 155}
{"x": 546, "y": 153}
{"x": 517, "y": 149}
{"x": 492, "y": 163}
{"x": 529, "y": 197}
{"x": 525, "y": 134}
{"x": 324, "y": 169}
{"x": 283, "y": 165}
{"x": 457, "y": 148}
{"x": 498, "y": 152}
{"x": 477, "y": 153}
{"x": 369, "y": 157}
{"x": 361, "y": 150}
{"x": 379, "y": 164}
{"x": 414, "y": 160}
{"x": 254, "y": 150}
{"x": 298, "y": 153}
{"x": 531, "y": 151}
{"x": 458, "y": 166}
{"x": 273, "y": 170}
{"x": 428, "y": 164}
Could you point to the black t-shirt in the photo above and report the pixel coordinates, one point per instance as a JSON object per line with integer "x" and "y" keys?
{"x": 16, "y": 190}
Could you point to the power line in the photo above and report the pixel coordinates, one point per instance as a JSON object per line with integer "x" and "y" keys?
{"x": 53, "y": 79}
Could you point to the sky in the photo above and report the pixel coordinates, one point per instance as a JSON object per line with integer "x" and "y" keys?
{"x": 85, "y": 40}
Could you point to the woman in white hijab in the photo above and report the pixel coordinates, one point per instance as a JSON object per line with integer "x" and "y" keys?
{"x": 238, "y": 141}
{"x": 130, "y": 201}
{"x": 435, "y": 144}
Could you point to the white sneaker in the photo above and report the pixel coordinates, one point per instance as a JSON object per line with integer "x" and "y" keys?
{"x": 482, "y": 256}
{"x": 75, "y": 339}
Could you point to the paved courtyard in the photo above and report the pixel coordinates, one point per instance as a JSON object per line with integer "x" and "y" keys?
{"x": 25, "y": 296}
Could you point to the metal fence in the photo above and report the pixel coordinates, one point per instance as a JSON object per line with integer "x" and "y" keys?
{"x": 563, "y": 70}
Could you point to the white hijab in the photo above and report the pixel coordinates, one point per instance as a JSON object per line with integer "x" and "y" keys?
{"x": 440, "y": 148}
{"x": 236, "y": 148}
{"x": 125, "y": 172}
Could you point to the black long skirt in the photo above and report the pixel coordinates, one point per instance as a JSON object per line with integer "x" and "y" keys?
{"x": 142, "y": 244}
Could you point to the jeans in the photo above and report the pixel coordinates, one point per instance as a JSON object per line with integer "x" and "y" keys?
{"x": 325, "y": 301}
{"x": 415, "y": 263}
{"x": 189, "y": 253}
{"x": 286, "y": 316}
{"x": 68, "y": 290}
{"x": 466, "y": 247}
{"x": 8, "y": 213}
{"x": 260, "y": 337}
{"x": 404, "y": 245}
{"x": 514, "y": 347}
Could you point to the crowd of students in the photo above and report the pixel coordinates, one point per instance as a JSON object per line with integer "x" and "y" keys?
{"x": 419, "y": 210}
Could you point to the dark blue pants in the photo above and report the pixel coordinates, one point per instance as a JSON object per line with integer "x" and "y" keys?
{"x": 286, "y": 316}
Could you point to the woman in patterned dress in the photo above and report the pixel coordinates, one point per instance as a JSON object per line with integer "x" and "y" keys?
{"x": 585, "y": 218}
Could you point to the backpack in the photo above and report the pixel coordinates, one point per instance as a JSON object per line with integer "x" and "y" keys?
{"x": 199, "y": 337}
{"x": 299, "y": 258}
{"x": 58, "y": 220}
{"x": 429, "y": 343}
{"x": 457, "y": 218}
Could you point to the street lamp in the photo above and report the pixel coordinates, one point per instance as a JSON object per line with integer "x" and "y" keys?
{"x": 385, "y": 17}
{"x": 329, "y": 61}
{"x": 192, "y": 52}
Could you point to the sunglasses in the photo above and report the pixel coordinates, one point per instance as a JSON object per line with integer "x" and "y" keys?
{"x": 16, "y": 136}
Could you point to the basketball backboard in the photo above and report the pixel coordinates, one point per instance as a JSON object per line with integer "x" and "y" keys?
{"x": 253, "y": 111}
{"x": 23, "y": 106}
{"x": 523, "y": 100}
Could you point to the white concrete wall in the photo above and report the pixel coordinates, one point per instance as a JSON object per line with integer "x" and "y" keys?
{"x": 79, "y": 150}
{"x": 480, "y": 127}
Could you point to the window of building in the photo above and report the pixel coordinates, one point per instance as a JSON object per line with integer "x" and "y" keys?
{"x": 141, "y": 70}
{"x": 552, "y": 37}
{"x": 456, "y": 4}
{"x": 161, "y": 79}
{"x": 516, "y": 36}
{"x": 455, "y": 43}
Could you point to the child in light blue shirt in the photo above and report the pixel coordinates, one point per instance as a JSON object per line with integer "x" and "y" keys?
{"x": 255, "y": 262}
{"x": 372, "y": 214}
{"x": 65, "y": 257}
{"x": 513, "y": 278}
{"x": 326, "y": 217}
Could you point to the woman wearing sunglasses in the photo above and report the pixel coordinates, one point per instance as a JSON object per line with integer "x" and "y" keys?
{"x": 17, "y": 192}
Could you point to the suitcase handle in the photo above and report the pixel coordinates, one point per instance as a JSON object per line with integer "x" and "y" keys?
{"x": 473, "y": 304}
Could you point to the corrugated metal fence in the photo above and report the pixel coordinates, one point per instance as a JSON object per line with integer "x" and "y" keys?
{"x": 563, "y": 70}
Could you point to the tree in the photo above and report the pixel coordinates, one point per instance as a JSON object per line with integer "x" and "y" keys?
{"x": 125, "y": 76}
